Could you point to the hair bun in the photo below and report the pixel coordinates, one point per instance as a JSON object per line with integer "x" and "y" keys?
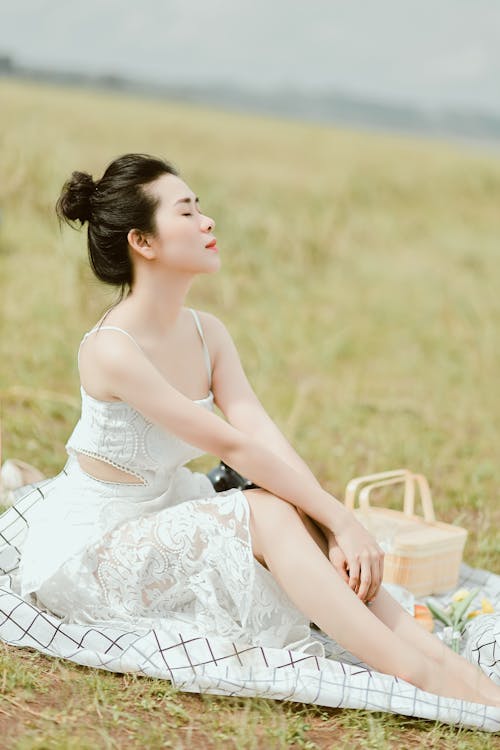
{"x": 75, "y": 199}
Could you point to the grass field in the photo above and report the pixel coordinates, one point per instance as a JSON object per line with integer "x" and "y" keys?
{"x": 360, "y": 280}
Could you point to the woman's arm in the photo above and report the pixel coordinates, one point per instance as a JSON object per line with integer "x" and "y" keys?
{"x": 239, "y": 403}
{"x": 242, "y": 408}
{"x": 132, "y": 377}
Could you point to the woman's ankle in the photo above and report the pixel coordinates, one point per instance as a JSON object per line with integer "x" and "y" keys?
{"x": 431, "y": 676}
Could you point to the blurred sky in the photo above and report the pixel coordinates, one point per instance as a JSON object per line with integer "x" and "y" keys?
{"x": 431, "y": 53}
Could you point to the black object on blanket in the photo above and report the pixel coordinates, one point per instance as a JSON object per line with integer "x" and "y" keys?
{"x": 223, "y": 477}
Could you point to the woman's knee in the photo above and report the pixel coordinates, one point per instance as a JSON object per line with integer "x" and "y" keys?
{"x": 268, "y": 514}
{"x": 269, "y": 506}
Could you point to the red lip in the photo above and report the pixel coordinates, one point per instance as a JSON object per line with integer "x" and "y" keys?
{"x": 211, "y": 243}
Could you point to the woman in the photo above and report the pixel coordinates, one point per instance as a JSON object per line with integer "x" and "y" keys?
{"x": 139, "y": 535}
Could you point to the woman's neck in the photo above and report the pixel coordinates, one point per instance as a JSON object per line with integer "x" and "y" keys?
{"x": 155, "y": 304}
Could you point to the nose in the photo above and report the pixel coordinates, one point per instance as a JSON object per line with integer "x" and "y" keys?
{"x": 208, "y": 223}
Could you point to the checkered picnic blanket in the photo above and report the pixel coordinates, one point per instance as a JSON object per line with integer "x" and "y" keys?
{"x": 195, "y": 663}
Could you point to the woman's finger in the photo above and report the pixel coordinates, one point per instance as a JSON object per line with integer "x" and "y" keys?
{"x": 378, "y": 571}
{"x": 366, "y": 575}
{"x": 345, "y": 572}
{"x": 354, "y": 572}
{"x": 375, "y": 582}
{"x": 339, "y": 562}
{"x": 341, "y": 569}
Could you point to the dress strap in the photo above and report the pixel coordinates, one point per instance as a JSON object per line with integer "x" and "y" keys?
{"x": 205, "y": 347}
{"x": 198, "y": 326}
{"x": 100, "y": 328}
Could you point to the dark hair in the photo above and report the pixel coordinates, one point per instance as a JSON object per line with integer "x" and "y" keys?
{"x": 113, "y": 206}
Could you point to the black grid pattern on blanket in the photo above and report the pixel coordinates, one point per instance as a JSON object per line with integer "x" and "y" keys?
{"x": 195, "y": 663}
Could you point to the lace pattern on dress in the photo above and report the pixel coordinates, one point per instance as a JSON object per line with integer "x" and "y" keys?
{"x": 192, "y": 565}
{"x": 179, "y": 562}
{"x": 194, "y": 561}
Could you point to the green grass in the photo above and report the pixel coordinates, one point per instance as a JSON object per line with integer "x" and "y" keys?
{"x": 359, "y": 279}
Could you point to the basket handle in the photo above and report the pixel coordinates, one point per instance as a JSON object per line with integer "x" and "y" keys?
{"x": 409, "y": 496}
{"x": 353, "y": 484}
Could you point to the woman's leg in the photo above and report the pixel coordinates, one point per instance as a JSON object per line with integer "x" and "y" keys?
{"x": 314, "y": 586}
{"x": 387, "y": 609}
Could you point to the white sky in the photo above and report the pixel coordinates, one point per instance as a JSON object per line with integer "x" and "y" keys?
{"x": 427, "y": 52}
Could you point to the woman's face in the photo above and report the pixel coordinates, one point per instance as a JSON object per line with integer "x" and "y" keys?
{"x": 183, "y": 231}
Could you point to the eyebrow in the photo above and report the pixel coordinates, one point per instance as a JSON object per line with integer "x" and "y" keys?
{"x": 186, "y": 200}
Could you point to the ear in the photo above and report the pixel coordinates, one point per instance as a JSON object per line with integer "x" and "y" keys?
{"x": 139, "y": 242}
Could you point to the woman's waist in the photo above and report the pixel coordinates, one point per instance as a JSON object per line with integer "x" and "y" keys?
{"x": 167, "y": 487}
{"x": 79, "y": 507}
{"x": 142, "y": 485}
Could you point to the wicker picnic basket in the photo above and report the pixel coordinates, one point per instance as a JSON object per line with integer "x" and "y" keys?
{"x": 421, "y": 554}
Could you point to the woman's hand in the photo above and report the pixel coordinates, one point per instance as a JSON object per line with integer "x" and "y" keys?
{"x": 358, "y": 558}
{"x": 337, "y": 557}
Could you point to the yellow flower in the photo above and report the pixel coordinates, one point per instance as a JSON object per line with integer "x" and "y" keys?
{"x": 486, "y": 606}
{"x": 474, "y": 613}
{"x": 459, "y": 595}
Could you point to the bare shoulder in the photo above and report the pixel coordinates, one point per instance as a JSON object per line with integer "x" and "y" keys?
{"x": 210, "y": 321}
{"x": 216, "y": 332}
{"x": 102, "y": 354}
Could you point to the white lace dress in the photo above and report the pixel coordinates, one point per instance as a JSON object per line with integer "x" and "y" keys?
{"x": 166, "y": 549}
